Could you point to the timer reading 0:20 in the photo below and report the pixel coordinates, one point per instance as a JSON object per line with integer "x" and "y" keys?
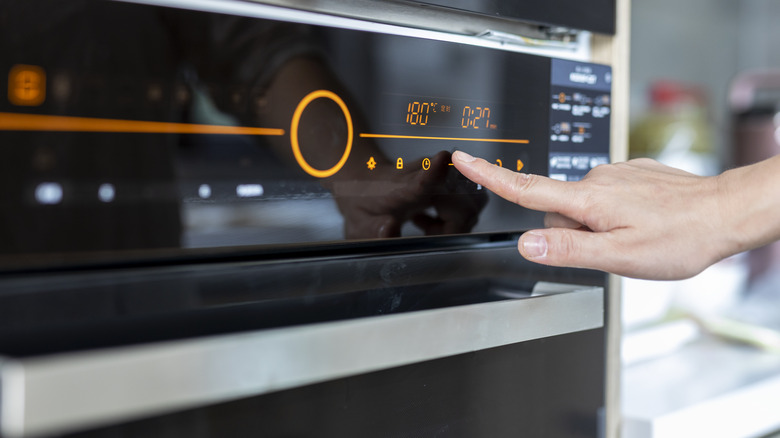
{"x": 419, "y": 113}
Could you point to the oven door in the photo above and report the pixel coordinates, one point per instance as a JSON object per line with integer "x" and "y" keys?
{"x": 467, "y": 342}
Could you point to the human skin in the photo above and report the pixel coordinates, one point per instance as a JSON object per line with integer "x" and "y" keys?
{"x": 641, "y": 218}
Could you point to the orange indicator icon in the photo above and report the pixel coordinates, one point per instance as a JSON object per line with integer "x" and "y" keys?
{"x": 499, "y": 163}
{"x": 371, "y": 163}
{"x": 296, "y": 147}
{"x": 26, "y": 85}
{"x": 426, "y": 163}
{"x": 520, "y": 165}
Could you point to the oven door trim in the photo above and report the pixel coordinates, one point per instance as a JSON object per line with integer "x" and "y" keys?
{"x": 578, "y": 50}
{"x": 73, "y": 391}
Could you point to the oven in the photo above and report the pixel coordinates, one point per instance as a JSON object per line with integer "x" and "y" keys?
{"x": 227, "y": 218}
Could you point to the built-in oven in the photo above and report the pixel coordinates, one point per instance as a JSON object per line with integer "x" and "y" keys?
{"x": 226, "y": 218}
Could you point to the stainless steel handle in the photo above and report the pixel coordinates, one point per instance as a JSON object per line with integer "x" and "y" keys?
{"x": 67, "y": 392}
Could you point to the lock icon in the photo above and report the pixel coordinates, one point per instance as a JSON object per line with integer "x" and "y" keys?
{"x": 399, "y": 163}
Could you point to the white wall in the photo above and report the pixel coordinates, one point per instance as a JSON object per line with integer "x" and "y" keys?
{"x": 687, "y": 40}
{"x": 701, "y": 41}
{"x": 759, "y": 34}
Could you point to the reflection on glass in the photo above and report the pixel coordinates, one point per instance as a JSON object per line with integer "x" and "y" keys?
{"x": 163, "y": 128}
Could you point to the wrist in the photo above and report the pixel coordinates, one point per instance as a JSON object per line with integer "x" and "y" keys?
{"x": 749, "y": 206}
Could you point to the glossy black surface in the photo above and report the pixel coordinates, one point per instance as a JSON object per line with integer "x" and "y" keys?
{"x": 115, "y": 231}
{"x": 356, "y": 132}
{"x": 46, "y": 313}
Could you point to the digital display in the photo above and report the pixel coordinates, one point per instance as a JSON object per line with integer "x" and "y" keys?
{"x": 420, "y": 113}
{"x": 448, "y": 119}
{"x": 181, "y": 135}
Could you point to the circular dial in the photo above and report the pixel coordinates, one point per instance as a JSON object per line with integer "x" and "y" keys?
{"x": 296, "y": 147}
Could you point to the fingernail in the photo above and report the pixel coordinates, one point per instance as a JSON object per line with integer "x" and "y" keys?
{"x": 462, "y": 156}
{"x": 534, "y": 245}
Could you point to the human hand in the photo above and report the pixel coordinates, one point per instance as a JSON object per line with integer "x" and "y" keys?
{"x": 380, "y": 207}
{"x": 638, "y": 219}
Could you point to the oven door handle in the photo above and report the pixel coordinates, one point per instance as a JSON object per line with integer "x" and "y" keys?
{"x": 68, "y": 392}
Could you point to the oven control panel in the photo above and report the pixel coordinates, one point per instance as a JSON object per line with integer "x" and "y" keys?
{"x": 137, "y": 127}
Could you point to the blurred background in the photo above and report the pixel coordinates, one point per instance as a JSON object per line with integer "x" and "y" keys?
{"x": 702, "y": 356}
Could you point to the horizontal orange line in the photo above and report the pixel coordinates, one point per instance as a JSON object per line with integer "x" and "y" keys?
{"x": 416, "y": 137}
{"x": 37, "y": 122}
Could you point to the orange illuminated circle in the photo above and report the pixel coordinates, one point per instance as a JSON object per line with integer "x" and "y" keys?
{"x": 426, "y": 163}
{"x": 296, "y": 147}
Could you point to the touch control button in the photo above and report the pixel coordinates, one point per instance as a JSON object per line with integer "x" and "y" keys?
{"x": 296, "y": 147}
{"x": 26, "y": 85}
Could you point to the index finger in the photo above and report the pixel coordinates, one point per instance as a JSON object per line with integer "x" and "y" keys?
{"x": 531, "y": 191}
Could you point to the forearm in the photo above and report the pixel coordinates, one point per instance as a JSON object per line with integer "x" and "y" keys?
{"x": 750, "y": 205}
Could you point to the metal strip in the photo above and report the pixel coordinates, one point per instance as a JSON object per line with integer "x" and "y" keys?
{"x": 579, "y": 51}
{"x": 68, "y": 392}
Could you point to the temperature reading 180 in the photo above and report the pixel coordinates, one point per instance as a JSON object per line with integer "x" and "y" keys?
{"x": 417, "y": 113}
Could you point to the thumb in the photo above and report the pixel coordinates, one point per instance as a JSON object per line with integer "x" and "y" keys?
{"x": 564, "y": 247}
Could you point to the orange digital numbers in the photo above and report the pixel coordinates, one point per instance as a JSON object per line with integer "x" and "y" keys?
{"x": 420, "y": 113}
{"x": 26, "y": 85}
{"x": 475, "y": 118}
{"x": 417, "y": 113}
